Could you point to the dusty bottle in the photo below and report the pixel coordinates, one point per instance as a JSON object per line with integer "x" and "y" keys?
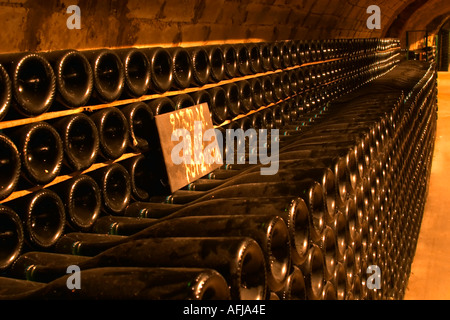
{"x": 125, "y": 283}
{"x": 243, "y": 59}
{"x": 10, "y": 166}
{"x": 230, "y": 58}
{"x": 113, "y": 132}
{"x": 294, "y": 288}
{"x": 219, "y": 105}
{"x": 140, "y": 121}
{"x": 80, "y": 140}
{"x": 33, "y": 83}
{"x": 182, "y": 101}
{"x": 161, "y": 69}
{"x": 200, "y": 64}
{"x": 43, "y": 216}
{"x": 82, "y": 201}
{"x": 74, "y": 77}
{"x": 11, "y": 236}
{"x": 255, "y": 58}
{"x": 41, "y": 151}
{"x": 115, "y": 187}
{"x": 233, "y": 99}
{"x": 161, "y": 105}
{"x": 137, "y": 72}
{"x": 5, "y": 92}
{"x": 217, "y": 59}
{"x": 239, "y": 259}
{"x": 109, "y": 75}
{"x": 141, "y": 177}
{"x": 182, "y": 68}
{"x": 313, "y": 271}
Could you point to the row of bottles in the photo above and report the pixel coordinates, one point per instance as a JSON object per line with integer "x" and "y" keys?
{"x": 336, "y": 206}
{"x": 35, "y": 83}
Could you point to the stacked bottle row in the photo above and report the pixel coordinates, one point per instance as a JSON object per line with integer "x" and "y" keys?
{"x": 35, "y": 83}
{"x": 119, "y": 188}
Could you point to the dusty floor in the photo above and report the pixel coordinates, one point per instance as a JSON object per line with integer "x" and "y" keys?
{"x": 430, "y": 273}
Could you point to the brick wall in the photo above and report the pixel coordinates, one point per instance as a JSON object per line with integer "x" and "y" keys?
{"x": 41, "y": 25}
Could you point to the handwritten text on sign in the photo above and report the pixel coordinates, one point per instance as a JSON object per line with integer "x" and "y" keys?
{"x": 189, "y": 144}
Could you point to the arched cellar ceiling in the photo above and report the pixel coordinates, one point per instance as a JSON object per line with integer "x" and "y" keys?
{"x": 41, "y": 25}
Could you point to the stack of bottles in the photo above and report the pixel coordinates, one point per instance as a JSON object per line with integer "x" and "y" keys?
{"x": 82, "y": 183}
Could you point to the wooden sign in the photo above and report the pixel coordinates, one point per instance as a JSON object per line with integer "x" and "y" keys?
{"x": 189, "y": 144}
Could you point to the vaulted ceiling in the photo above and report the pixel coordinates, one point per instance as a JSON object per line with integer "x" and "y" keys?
{"x": 41, "y": 25}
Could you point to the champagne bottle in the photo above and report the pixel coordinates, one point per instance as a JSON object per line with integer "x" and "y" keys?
{"x": 255, "y": 58}
{"x": 80, "y": 140}
{"x": 109, "y": 76}
{"x": 275, "y": 56}
{"x": 5, "y": 92}
{"x": 11, "y": 237}
{"x": 182, "y": 68}
{"x": 137, "y": 72}
{"x": 141, "y": 126}
{"x": 257, "y": 93}
{"x": 246, "y": 96}
{"x": 264, "y": 52}
{"x": 74, "y": 77}
{"x": 141, "y": 177}
{"x": 230, "y": 57}
{"x": 217, "y": 59}
{"x": 219, "y": 105}
{"x": 239, "y": 260}
{"x": 161, "y": 105}
{"x": 243, "y": 59}
{"x": 200, "y": 64}
{"x": 114, "y": 183}
{"x": 43, "y": 216}
{"x": 82, "y": 201}
{"x": 294, "y": 288}
{"x": 285, "y": 56}
{"x": 313, "y": 271}
{"x": 233, "y": 99}
{"x": 161, "y": 69}
{"x": 182, "y": 101}
{"x": 41, "y": 151}
{"x": 113, "y": 132}
{"x": 10, "y": 166}
{"x": 125, "y": 283}
{"x": 267, "y": 88}
{"x": 33, "y": 83}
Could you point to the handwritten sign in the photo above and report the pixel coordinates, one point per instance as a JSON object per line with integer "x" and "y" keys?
{"x": 189, "y": 146}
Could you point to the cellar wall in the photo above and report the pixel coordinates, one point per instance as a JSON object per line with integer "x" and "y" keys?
{"x": 29, "y": 25}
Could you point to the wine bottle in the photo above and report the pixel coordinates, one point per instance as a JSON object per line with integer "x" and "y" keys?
{"x": 285, "y": 57}
{"x": 233, "y": 99}
{"x": 161, "y": 105}
{"x": 141, "y": 126}
{"x": 275, "y": 55}
{"x": 109, "y": 75}
{"x": 201, "y": 65}
{"x": 182, "y": 68}
{"x": 10, "y": 166}
{"x": 255, "y": 58}
{"x": 74, "y": 77}
{"x": 82, "y": 201}
{"x": 43, "y": 215}
{"x": 230, "y": 57}
{"x": 41, "y": 151}
{"x": 257, "y": 93}
{"x": 313, "y": 271}
{"x": 243, "y": 59}
{"x": 5, "y": 92}
{"x": 141, "y": 177}
{"x": 113, "y": 132}
{"x": 218, "y": 106}
{"x": 124, "y": 283}
{"x": 182, "y": 101}
{"x": 239, "y": 260}
{"x": 115, "y": 187}
{"x": 270, "y": 232}
{"x": 11, "y": 237}
{"x": 246, "y": 96}
{"x": 80, "y": 140}
{"x": 137, "y": 72}
{"x": 33, "y": 83}
{"x": 217, "y": 59}
{"x": 340, "y": 281}
{"x": 294, "y": 288}
{"x": 264, "y": 52}
{"x": 328, "y": 246}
